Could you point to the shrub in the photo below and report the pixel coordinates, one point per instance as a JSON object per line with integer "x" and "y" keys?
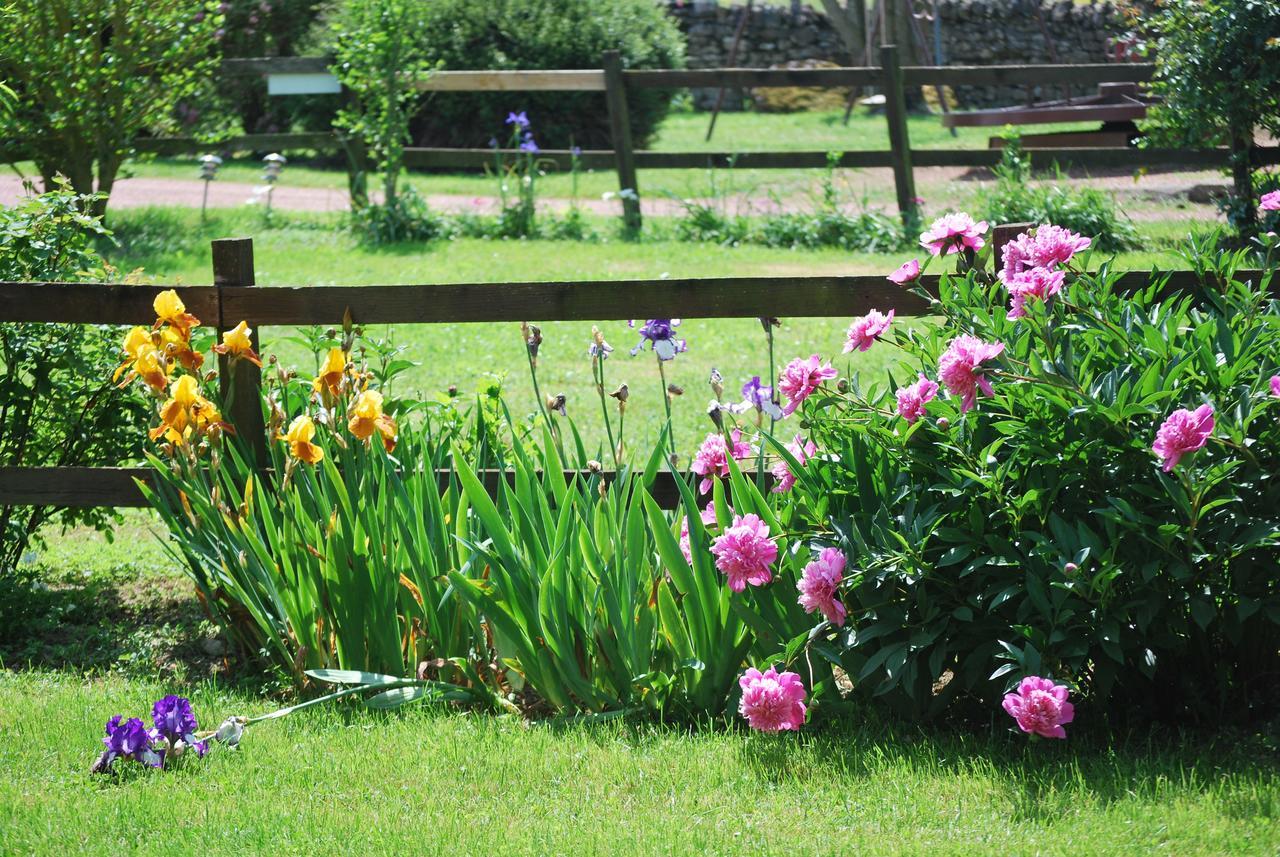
{"x": 550, "y": 34}
{"x": 1038, "y": 534}
{"x": 1088, "y": 211}
{"x": 58, "y": 406}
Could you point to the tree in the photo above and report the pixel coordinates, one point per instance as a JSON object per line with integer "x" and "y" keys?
{"x": 92, "y": 75}
{"x": 1218, "y": 72}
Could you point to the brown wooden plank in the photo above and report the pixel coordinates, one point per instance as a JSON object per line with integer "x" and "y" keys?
{"x": 240, "y": 380}
{"x": 97, "y": 303}
{"x": 1046, "y": 115}
{"x": 1083, "y": 74}
{"x": 479, "y": 159}
{"x": 243, "y": 143}
{"x": 86, "y": 487}
{"x": 567, "y": 80}
{"x": 746, "y": 78}
{"x": 728, "y": 297}
{"x": 1086, "y": 157}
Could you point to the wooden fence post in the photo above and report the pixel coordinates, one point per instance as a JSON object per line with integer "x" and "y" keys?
{"x": 233, "y": 266}
{"x": 895, "y": 111}
{"x": 1001, "y": 235}
{"x": 620, "y": 131}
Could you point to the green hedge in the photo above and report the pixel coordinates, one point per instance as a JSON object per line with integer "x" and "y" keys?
{"x": 544, "y": 34}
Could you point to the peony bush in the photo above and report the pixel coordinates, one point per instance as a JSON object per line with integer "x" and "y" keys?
{"x": 1076, "y": 482}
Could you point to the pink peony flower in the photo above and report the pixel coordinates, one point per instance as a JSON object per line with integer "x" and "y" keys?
{"x": 712, "y": 459}
{"x": 1047, "y": 246}
{"x": 772, "y": 701}
{"x": 912, "y": 399}
{"x": 1035, "y": 283}
{"x": 952, "y": 233}
{"x": 908, "y": 272}
{"x": 1182, "y": 433}
{"x": 1275, "y": 379}
{"x": 960, "y": 368}
{"x": 1040, "y": 707}
{"x": 783, "y": 478}
{"x": 865, "y": 330}
{"x": 708, "y": 520}
{"x": 820, "y": 584}
{"x": 744, "y": 552}
{"x": 1270, "y": 201}
{"x": 801, "y": 378}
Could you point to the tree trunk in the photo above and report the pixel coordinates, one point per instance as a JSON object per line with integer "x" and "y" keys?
{"x": 1245, "y": 213}
{"x": 850, "y": 26}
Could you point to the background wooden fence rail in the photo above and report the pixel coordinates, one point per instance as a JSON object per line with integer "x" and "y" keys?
{"x": 234, "y": 297}
{"x": 615, "y": 82}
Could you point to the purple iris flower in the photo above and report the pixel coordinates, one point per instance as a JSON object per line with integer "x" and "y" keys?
{"x": 599, "y": 350}
{"x": 757, "y": 396}
{"x": 661, "y": 334}
{"x": 576, "y": 151}
{"x": 520, "y": 120}
{"x": 127, "y": 740}
{"x": 529, "y": 145}
{"x": 176, "y": 725}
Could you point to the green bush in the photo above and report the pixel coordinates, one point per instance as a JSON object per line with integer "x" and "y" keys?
{"x": 544, "y": 34}
{"x": 57, "y": 405}
{"x": 1088, "y": 211}
{"x": 1038, "y": 534}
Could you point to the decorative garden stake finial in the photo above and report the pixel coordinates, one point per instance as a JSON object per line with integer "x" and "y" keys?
{"x": 208, "y": 172}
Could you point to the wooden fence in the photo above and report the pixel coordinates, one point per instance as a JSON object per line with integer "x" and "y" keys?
{"x": 233, "y": 297}
{"x": 615, "y": 82}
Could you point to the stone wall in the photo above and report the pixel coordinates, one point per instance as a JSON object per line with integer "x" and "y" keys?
{"x": 974, "y": 32}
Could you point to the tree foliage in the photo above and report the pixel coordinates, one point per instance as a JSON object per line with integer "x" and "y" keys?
{"x": 91, "y": 75}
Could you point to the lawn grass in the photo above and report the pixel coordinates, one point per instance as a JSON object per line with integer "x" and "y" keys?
{"x": 172, "y": 247}
{"x": 337, "y": 780}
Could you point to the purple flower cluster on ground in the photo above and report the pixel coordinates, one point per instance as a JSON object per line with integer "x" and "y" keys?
{"x": 173, "y": 732}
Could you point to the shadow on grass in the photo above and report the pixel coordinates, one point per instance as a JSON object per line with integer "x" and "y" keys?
{"x": 117, "y": 619}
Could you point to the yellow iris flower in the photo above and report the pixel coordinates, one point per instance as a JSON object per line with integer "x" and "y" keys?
{"x": 177, "y": 348}
{"x": 142, "y": 359}
{"x": 367, "y": 417}
{"x": 237, "y": 343}
{"x": 171, "y": 310}
{"x": 299, "y": 436}
{"x": 330, "y": 383}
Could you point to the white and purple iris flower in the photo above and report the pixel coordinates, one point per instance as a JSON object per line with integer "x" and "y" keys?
{"x": 660, "y": 333}
{"x": 758, "y": 396}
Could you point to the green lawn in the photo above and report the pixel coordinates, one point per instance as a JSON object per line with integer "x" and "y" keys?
{"x": 172, "y": 247}
{"x": 333, "y": 781}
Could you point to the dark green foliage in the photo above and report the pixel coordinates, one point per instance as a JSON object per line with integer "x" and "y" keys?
{"x": 1038, "y": 534}
{"x": 57, "y": 402}
{"x": 544, "y": 34}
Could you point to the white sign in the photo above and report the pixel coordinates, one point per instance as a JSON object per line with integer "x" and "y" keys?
{"x": 321, "y": 83}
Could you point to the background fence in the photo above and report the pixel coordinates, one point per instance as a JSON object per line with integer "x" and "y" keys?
{"x": 233, "y": 297}
{"x": 291, "y": 75}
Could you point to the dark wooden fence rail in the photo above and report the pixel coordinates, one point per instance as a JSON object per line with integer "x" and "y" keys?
{"x": 234, "y": 297}
{"x": 615, "y": 82}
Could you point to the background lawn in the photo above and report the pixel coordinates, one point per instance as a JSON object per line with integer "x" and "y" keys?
{"x": 340, "y": 780}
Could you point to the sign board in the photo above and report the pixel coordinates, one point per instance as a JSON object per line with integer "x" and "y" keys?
{"x": 321, "y": 83}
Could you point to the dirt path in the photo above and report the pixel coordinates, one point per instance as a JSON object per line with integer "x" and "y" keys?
{"x": 935, "y": 184}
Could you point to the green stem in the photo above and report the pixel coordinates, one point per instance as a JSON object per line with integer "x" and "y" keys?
{"x": 666, "y": 401}
{"x": 598, "y": 371}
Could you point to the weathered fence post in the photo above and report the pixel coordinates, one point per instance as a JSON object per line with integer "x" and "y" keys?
{"x": 1001, "y": 235}
{"x": 895, "y": 112}
{"x": 620, "y": 131}
{"x": 240, "y": 380}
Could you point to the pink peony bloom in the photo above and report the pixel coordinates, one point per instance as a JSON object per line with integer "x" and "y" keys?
{"x": 1275, "y": 380}
{"x": 772, "y": 701}
{"x": 865, "y": 330}
{"x": 1048, "y": 246}
{"x": 708, "y": 520}
{"x": 712, "y": 459}
{"x": 960, "y": 368}
{"x": 783, "y": 478}
{"x": 744, "y": 552}
{"x": 912, "y": 399}
{"x": 820, "y": 584}
{"x": 907, "y": 273}
{"x": 1040, "y": 707}
{"x": 1270, "y": 201}
{"x": 801, "y": 378}
{"x": 1036, "y": 284}
{"x": 1182, "y": 433}
{"x": 952, "y": 233}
